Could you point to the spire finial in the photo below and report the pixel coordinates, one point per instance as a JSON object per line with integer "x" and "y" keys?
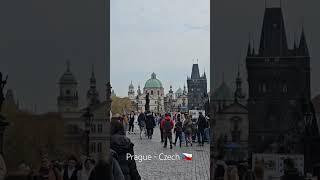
{"x": 223, "y": 77}
{"x": 68, "y": 65}
{"x": 92, "y": 70}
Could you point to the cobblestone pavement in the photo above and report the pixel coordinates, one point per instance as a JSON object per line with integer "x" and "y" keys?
{"x": 156, "y": 169}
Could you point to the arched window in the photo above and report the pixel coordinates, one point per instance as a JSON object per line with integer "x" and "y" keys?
{"x": 264, "y": 87}
{"x": 93, "y": 147}
{"x": 284, "y": 87}
{"x": 235, "y": 132}
{"x": 151, "y": 92}
{"x": 158, "y": 92}
{"x": 99, "y": 147}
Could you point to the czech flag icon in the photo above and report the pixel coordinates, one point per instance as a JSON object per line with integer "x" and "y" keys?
{"x": 186, "y": 156}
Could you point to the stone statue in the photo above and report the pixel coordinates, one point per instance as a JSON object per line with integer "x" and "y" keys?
{"x": 147, "y": 107}
{"x": 2, "y": 84}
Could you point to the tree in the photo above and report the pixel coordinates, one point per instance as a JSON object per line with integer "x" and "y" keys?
{"x": 121, "y": 104}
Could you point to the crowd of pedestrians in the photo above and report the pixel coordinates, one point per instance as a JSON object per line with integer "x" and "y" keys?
{"x": 174, "y": 127}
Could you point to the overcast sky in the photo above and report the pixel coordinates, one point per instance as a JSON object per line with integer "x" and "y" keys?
{"x": 161, "y": 36}
{"x": 234, "y": 20}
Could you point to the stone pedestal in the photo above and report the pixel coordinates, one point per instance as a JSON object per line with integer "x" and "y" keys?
{"x": 3, "y": 125}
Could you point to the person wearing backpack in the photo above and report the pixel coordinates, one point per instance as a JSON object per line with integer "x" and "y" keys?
{"x": 167, "y": 126}
{"x": 202, "y": 124}
{"x": 187, "y": 129}
{"x": 178, "y": 131}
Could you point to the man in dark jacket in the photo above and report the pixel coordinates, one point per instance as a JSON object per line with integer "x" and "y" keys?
{"x": 178, "y": 130}
{"x": 202, "y": 124}
{"x": 123, "y": 146}
{"x": 71, "y": 172}
{"x": 150, "y": 124}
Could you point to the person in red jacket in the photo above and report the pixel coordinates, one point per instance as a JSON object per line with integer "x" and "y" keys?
{"x": 167, "y": 126}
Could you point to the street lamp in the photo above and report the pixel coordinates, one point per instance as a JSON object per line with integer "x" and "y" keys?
{"x": 88, "y": 118}
{"x": 137, "y": 102}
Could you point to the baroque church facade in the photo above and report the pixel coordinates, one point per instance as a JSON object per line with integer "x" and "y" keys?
{"x": 154, "y": 88}
{"x": 74, "y": 121}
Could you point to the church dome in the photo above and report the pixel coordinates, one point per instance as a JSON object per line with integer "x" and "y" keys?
{"x": 179, "y": 91}
{"x": 223, "y": 92}
{"x": 153, "y": 82}
{"x": 68, "y": 77}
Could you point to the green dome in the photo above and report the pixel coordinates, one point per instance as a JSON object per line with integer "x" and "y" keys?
{"x": 223, "y": 92}
{"x": 153, "y": 82}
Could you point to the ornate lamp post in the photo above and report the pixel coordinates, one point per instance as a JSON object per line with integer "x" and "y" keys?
{"x": 137, "y": 103}
{"x": 88, "y": 118}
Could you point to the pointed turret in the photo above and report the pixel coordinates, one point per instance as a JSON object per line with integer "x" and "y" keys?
{"x": 184, "y": 90}
{"x": 303, "y": 47}
{"x": 139, "y": 90}
{"x": 92, "y": 93}
{"x": 238, "y": 93}
{"x": 195, "y": 72}
{"x": 93, "y": 78}
{"x": 273, "y": 41}
{"x": 249, "y": 50}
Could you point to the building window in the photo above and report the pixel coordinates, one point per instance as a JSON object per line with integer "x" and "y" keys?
{"x": 151, "y": 92}
{"x": 93, "y": 147}
{"x": 99, "y": 147}
{"x": 284, "y": 87}
{"x": 158, "y": 93}
{"x": 99, "y": 128}
{"x": 68, "y": 92}
{"x": 93, "y": 128}
{"x": 264, "y": 87}
{"x": 235, "y": 134}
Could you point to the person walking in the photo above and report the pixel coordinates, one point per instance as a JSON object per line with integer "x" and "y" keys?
{"x": 123, "y": 146}
{"x": 125, "y": 122}
{"x": 162, "y": 118}
{"x": 167, "y": 126}
{"x": 131, "y": 122}
{"x": 150, "y": 124}
{"x": 71, "y": 172}
{"x": 3, "y": 168}
{"x": 178, "y": 131}
{"x": 86, "y": 170}
{"x": 202, "y": 124}
{"x": 187, "y": 129}
{"x": 142, "y": 123}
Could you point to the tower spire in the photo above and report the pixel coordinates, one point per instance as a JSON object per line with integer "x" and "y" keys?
{"x": 249, "y": 49}
{"x": 92, "y": 70}
{"x": 68, "y": 65}
{"x": 303, "y": 47}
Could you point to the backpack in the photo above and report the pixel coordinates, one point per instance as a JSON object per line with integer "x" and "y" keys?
{"x": 167, "y": 125}
{"x": 219, "y": 171}
{"x": 179, "y": 127}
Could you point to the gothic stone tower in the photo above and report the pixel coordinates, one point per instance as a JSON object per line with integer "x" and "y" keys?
{"x": 68, "y": 97}
{"x": 197, "y": 89}
{"x": 279, "y": 80}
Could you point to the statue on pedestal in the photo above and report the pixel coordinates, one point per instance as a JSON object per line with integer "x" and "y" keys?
{"x": 2, "y": 85}
{"x": 147, "y": 106}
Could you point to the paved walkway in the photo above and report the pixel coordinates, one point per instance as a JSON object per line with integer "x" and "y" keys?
{"x": 156, "y": 169}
